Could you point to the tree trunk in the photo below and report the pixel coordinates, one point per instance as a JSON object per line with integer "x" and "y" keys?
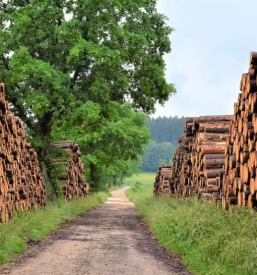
{"x": 46, "y": 169}
{"x": 94, "y": 180}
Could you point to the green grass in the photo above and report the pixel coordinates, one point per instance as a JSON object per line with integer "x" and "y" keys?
{"x": 144, "y": 178}
{"x": 34, "y": 226}
{"x": 211, "y": 240}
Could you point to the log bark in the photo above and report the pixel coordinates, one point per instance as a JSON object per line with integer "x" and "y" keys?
{"x": 21, "y": 183}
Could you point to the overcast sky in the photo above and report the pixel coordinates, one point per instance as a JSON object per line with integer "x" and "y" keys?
{"x": 211, "y": 46}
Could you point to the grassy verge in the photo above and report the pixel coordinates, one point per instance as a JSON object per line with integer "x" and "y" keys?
{"x": 212, "y": 241}
{"x": 145, "y": 178}
{"x": 15, "y": 235}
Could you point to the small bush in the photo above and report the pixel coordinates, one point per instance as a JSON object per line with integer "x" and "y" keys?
{"x": 137, "y": 186}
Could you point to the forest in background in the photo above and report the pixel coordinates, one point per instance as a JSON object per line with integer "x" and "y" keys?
{"x": 164, "y": 133}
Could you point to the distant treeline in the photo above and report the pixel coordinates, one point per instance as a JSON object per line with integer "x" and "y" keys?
{"x": 166, "y": 129}
{"x": 164, "y": 134}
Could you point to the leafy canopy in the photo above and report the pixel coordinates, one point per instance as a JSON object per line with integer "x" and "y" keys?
{"x": 111, "y": 147}
{"x": 97, "y": 50}
{"x": 73, "y": 63}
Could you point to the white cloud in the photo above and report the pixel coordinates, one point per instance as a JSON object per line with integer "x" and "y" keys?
{"x": 211, "y": 48}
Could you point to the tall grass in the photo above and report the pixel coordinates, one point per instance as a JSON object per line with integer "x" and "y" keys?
{"x": 211, "y": 240}
{"x": 34, "y": 226}
{"x": 145, "y": 178}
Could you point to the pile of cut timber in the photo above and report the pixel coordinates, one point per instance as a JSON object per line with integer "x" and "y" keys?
{"x": 198, "y": 164}
{"x": 21, "y": 183}
{"x": 162, "y": 181}
{"x": 208, "y": 154}
{"x": 240, "y": 181}
{"x": 181, "y": 163}
{"x": 72, "y": 181}
{"x": 217, "y": 155}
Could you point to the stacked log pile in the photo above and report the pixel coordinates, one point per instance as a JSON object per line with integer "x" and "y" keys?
{"x": 72, "y": 181}
{"x": 162, "y": 181}
{"x": 181, "y": 163}
{"x": 217, "y": 156}
{"x": 21, "y": 183}
{"x": 208, "y": 155}
{"x": 240, "y": 181}
{"x": 198, "y": 164}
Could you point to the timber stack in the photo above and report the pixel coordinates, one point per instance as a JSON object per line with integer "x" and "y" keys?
{"x": 217, "y": 155}
{"x": 72, "y": 181}
{"x": 162, "y": 181}
{"x": 240, "y": 181}
{"x": 198, "y": 164}
{"x": 181, "y": 163}
{"x": 208, "y": 155}
{"x": 21, "y": 183}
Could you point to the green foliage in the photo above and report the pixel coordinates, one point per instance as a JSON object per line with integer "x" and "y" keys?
{"x": 157, "y": 153}
{"x": 38, "y": 224}
{"x": 54, "y": 190}
{"x": 137, "y": 186}
{"x": 211, "y": 240}
{"x": 110, "y": 146}
{"x": 166, "y": 129}
{"x": 164, "y": 133}
{"x": 71, "y": 66}
{"x": 144, "y": 178}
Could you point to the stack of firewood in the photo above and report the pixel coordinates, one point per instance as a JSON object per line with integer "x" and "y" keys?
{"x": 21, "y": 183}
{"x": 162, "y": 181}
{"x": 72, "y": 181}
{"x": 240, "y": 181}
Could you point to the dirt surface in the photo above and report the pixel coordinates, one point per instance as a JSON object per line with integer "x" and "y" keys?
{"x": 108, "y": 240}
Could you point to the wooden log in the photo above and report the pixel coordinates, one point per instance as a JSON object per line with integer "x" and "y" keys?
{"x": 213, "y": 173}
{"x": 213, "y": 137}
{"x": 253, "y": 60}
{"x": 20, "y": 178}
{"x": 64, "y": 144}
{"x": 213, "y": 149}
{"x": 212, "y": 163}
{"x": 202, "y": 119}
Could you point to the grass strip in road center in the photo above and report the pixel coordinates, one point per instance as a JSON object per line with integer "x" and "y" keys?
{"x": 27, "y": 227}
{"x": 211, "y": 240}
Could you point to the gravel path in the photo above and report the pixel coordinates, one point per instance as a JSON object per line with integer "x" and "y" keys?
{"x": 108, "y": 240}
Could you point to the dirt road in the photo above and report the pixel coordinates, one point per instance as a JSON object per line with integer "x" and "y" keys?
{"x": 109, "y": 240}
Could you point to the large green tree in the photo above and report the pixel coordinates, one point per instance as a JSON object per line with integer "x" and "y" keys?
{"x": 111, "y": 146}
{"x": 84, "y": 53}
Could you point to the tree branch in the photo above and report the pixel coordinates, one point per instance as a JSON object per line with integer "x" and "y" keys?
{"x": 75, "y": 77}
